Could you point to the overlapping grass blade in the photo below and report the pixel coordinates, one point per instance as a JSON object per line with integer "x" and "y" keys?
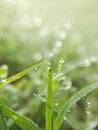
{"x": 71, "y": 101}
{"x": 2, "y": 121}
{"x": 21, "y": 74}
{"x": 21, "y": 121}
{"x": 49, "y": 112}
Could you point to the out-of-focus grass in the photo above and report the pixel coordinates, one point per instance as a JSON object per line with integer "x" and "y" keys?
{"x": 31, "y": 31}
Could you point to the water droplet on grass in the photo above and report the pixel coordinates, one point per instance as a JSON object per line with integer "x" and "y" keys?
{"x": 59, "y": 44}
{"x": 87, "y": 112}
{"x": 68, "y": 26}
{"x": 35, "y": 68}
{"x": 5, "y": 67}
{"x": 93, "y": 58}
{"x": 50, "y": 54}
{"x": 64, "y": 118}
{"x": 38, "y": 56}
{"x": 68, "y": 110}
{"x": 14, "y": 117}
{"x": 41, "y": 97}
{"x": 63, "y": 78}
{"x": 3, "y": 80}
{"x": 56, "y": 103}
{"x": 88, "y": 102}
{"x": 86, "y": 63}
{"x": 62, "y": 60}
{"x": 49, "y": 66}
{"x": 88, "y": 107}
{"x": 62, "y": 35}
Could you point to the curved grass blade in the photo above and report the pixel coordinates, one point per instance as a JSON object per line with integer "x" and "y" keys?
{"x": 21, "y": 121}
{"x": 21, "y": 74}
{"x": 2, "y": 121}
{"x": 49, "y": 112}
{"x": 71, "y": 101}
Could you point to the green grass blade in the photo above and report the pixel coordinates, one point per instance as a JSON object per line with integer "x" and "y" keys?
{"x": 49, "y": 113}
{"x": 21, "y": 74}
{"x": 56, "y": 81}
{"x": 71, "y": 101}
{"x": 21, "y": 121}
{"x": 2, "y": 121}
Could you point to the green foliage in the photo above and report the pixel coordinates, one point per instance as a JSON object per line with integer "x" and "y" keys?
{"x": 49, "y": 103}
{"x": 21, "y": 121}
{"x": 19, "y": 75}
{"x": 71, "y": 101}
{"x": 2, "y": 121}
{"x": 65, "y": 34}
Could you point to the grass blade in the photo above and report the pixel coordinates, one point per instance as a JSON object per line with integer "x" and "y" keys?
{"x": 2, "y": 121}
{"x": 71, "y": 101}
{"x": 21, "y": 121}
{"x": 21, "y": 74}
{"x": 49, "y": 112}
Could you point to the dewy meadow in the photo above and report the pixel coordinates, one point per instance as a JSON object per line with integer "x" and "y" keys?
{"x": 48, "y": 65}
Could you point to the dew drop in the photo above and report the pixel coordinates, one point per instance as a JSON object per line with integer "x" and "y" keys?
{"x": 68, "y": 26}
{"x": 88, "y": 107}
{"x": 93, "y": 58}
{"x": 38, "y": 56}
{"x": 64, "y": 118}
{"x": 68, "y": 110}
{"x": 56, "y": 104}
{"x": 67, "y": 84}
{"x": 3, "y": 80}
{"x": 87, "y": 112}
{"x": 35, "y": 68}
{"x": 50, "y": 54}
{"x": 63, "y": 78}
{"x": 62, "y": 35}
{"x": 86, "y": 63}
{"x": 14, "y": 117}
{"x": 5, "y": 67}
{"x": 42, "y": 98}
{"x": 59, "y": 44}
{"x": 49, "y": 66}
{"x": 62, "y": 60}
{"x": 88, "y": 103}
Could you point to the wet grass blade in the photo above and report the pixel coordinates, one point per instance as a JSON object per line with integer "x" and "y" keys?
{"x": 56, "y": 81}
{"x": 2, "y": 121}
{"x": 21, "y": 121}
{"x": 49, "y": 112}
{"x": 71, "y": 101}
{"x": 21, "y": 74}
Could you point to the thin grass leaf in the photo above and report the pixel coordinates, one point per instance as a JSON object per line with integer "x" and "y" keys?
{"x": 71, "y": 101}
{"x": 2, "y": 121}
{"x": 49, "y": 111}
{"x": 21, "y": 121}
{"x": 21, "y": 74}
{"x": 56, "y": 81}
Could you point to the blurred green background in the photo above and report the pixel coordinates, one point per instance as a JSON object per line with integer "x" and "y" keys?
{"x": 36, "y": 30}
